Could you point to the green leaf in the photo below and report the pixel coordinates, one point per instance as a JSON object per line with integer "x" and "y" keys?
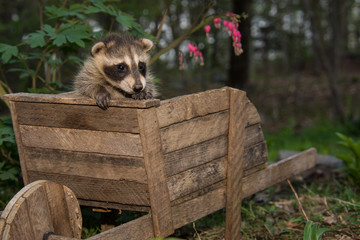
{"x": 307, "y": 230}
{"x": 321, "y": 231}
{"x": 8, "y": 51}
{"x": 125, "y": 20}
{"x": 59, "y": 39}
{"x": 36, "y": 39}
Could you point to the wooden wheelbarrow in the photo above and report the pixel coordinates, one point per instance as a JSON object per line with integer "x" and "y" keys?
{"x": 179, "y": 160}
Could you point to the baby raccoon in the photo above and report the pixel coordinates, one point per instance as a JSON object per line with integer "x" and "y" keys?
{"x": 118, "y": 67}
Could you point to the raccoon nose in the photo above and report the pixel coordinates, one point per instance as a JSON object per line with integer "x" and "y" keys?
{"x": 138, "y": 88}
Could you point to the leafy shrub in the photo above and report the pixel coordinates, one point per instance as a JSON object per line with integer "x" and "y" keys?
{"x": 352, "y": 158}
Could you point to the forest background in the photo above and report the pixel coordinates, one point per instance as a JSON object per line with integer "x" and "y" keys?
{"x": 299, "y": 66}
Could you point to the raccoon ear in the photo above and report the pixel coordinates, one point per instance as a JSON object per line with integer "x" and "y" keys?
{"x": 98, "y": 47}
{"x": 146, "y": 44}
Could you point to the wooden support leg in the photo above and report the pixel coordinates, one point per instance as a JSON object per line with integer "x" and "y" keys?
{"x": 237, "y": 123}
{"x": 155, "y": 170}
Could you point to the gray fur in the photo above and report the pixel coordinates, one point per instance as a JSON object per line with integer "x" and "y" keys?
{"x": 93, "y": 82}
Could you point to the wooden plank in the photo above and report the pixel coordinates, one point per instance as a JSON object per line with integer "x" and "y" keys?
{"x": 14, "y": 117}
{"x": 111, "y": 205}
{"x": 199, "y": 193}
{"x": 195, "y": 155}
{"x": 72, "y": 98}
{"x": 154, "y": 164}
{"x": 278, "y": 172}
{"x": 81, "y": 140}
{"x": 39, "y": 213}
{"x": 252, "y": 115}
{"x": 74, "y": 212}
{"x": 124, "y": 192}
{"x": 19, "y": 222}
{"x": 189, "y": 106}
{"x": 197, "y": 178}
{"x": 139, "y": 229}
{"x": 253, "y": 135}
{"x": 255, "y": 155}
{"x": 196, "y": 208}
{"x": 58, "y": 209}
{"x": 194, "y": 131}
{"x": 235, "y": 164}
{"x": 82, "y": 164}
{"x": 77, "y": 116}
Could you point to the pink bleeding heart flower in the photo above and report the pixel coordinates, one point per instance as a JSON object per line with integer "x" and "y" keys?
{"x": 217, "y": 22}
{"x": 207, "y": 30}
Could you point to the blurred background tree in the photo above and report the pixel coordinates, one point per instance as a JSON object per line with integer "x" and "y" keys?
{"x": 296, "y": 52}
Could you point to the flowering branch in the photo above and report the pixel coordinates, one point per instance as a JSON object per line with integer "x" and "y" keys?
{"x": 191, "y": 30}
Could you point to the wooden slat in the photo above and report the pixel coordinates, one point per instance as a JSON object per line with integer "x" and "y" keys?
{"x": 197, "y": 130}
{"x": 72, "y": 98}
{"x": 77, "y": 116}
{"x": 58, "y": 209}
{"x": 40, "y": 207}
{"x": 196, "y": 208}
{"x": 39, "y": 212}
{"x": 19, "y": 222}
{"x": 253, "y": 135}
{"x": 278, "y": 172}
{"x": 236, "y": 144}
{"x": 86, "y": 164}
{"x": 255, "y": 155}
{"x": 195, "y": 155}
{"x": 124, "y": 192}
{"x": 252, "y": 115}
{"x": 139, "y": 229}
{"x": 81, "y": 140}
{"x": 19, "y": 143}
{"x": 189, "y": 106}
{"x": 199, "y": 193}
{"x": 154, "y": 164}
{"x": 111, "y": 205}
{"x": 197, "y": 178}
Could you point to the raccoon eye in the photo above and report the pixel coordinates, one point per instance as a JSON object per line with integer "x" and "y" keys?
{"x": 121, "y": 67}
{"x": 142, "y": 68}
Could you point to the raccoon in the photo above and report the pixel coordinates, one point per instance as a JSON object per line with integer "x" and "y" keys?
{"x": 118, "y": 67}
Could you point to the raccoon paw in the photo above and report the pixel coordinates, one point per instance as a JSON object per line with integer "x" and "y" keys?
{"x": 142, "y": 95}
{"x": 103, "y": 100}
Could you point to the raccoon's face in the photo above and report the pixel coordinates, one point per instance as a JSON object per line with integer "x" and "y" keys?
{"x": 123, "y": 62}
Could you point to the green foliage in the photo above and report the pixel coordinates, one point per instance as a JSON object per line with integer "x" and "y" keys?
{"x": 10, "y": 175}
{"x": 64, "y": 29}
{"x": 313, "y": 231}
{"x": 351, "y": 158}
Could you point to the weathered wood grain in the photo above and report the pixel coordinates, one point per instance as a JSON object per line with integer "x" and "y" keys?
{"x": 197, "y": 130}
{"x": 189, "y": 106}
{"x": 196, "y": 178}
{"x": 14, "y": 117}
{"x": 154, "y": 165}
{"x": 195, "y": 155}
{"x": 199, "y": 193}
{"x": 72, "y": 98}
{"x": 278, "y": 172}
{"x": 77, "y": 117}
{"x": 87, "y": 188}
{"x": 81, "y": 140}
{"x": 255, "y": 155}
{"x": 38, "y": 211}
{"x": 41, "y": 207}
{"x": 253, "y": 135}
{"x": 237, "y": 124}
{"x": 139, "y": 229}
{"x": 83, "y": 164}
{"x": 112, "y": 205}
{"x": 199, "y": 207}
{"x": 252, "y": 116}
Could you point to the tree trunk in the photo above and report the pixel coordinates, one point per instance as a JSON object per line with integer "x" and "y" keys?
{"x": 239, "y": 71}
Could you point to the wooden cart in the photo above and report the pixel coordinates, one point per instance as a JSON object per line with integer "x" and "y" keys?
{"x": 179, "y": 160}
